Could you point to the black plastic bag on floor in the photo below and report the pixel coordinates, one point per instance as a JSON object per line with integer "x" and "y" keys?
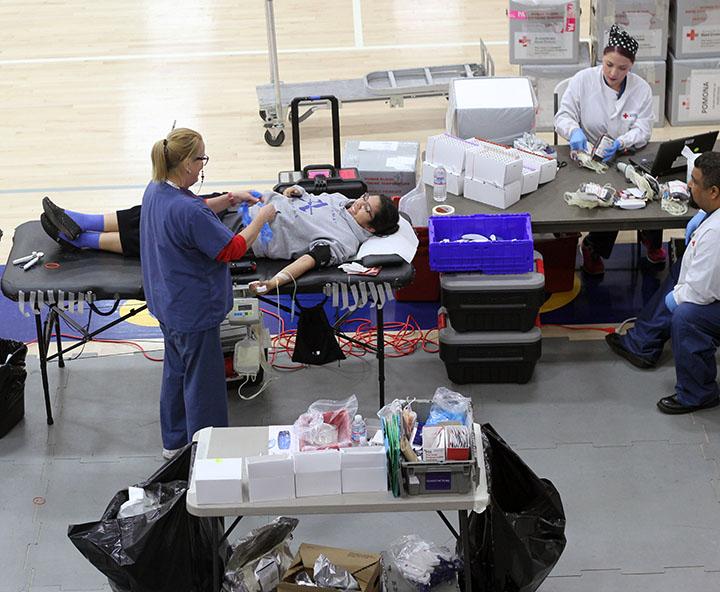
{"x": 518, "y": 539}
{"x": 163, "y": 550}
{"x": 315, "y": 341}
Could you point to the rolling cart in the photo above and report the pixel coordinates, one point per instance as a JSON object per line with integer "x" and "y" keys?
{"x": 391, "y": 86}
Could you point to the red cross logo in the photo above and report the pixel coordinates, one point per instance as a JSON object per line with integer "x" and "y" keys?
{"x": 524, "y": 41}
{"x": 692, "y": 35}
{"x": 686, "y": 104}
{"x": 625, "y": 116}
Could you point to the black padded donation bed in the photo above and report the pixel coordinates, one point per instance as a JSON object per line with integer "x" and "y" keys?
{"x": 64, "y": 281}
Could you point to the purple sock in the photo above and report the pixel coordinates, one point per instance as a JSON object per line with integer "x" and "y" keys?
{"x": 86, "y": 240}
{"x": 94, "y": 222}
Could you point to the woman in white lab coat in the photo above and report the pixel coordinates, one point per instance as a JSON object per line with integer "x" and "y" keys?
{"x": 609, "y": 100}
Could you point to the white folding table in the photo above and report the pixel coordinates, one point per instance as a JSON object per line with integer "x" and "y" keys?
{"x": 252, "y": 441}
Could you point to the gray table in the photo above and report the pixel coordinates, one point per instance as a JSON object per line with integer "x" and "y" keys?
{"x": 252, "y": 441}
{"x": 550, "y": 213}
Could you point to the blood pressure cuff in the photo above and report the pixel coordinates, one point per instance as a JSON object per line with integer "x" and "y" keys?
{"x": 315, "y": 341}
{"x": 321, "y": 254}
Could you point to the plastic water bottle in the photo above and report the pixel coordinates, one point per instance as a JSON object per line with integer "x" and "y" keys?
{"x": 358, "y": 432}
{"x": 440, "y": 184}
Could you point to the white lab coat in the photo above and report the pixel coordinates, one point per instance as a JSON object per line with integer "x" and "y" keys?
{"x": 699, "y": 280}
{"x": 592, "y": 105}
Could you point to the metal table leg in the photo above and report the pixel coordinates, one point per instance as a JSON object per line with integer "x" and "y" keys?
{"x": 465, "y": 542}
{"x": 58, "y": 339}
{"x": 380, "y": 354}
{"x": 42, "y": 352}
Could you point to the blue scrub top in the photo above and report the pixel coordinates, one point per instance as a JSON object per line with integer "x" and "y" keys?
{"x": 180, "y": 236}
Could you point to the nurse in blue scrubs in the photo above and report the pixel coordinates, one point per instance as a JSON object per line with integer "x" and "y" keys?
{"x": 184, "y": 253}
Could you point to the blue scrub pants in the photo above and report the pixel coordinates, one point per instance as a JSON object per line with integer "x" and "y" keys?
{"x": 193, "y": 393}
{"x": 694, "y": 331}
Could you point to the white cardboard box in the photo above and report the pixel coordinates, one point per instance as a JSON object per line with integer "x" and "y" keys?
{"x": 530, "y": 180}
{"x": 544, "y": 31}
{"x": 218, "y": 480}
{"x": 645, "y": 20}
{"x": 497, "y": 167}
{"x": 364, "y": 469}
{"x": 497, "y": 109}
{"x": 454, "y": 180}
{"x": 694, "y": 28}
{"x": 386, "y": 167}
{"x": 693, "y": 91}
{"x": 500, "y": 197}
{"x": 317, "y": 473}
{"x": 655, "y": 74}
{"x": 270, "y": 477}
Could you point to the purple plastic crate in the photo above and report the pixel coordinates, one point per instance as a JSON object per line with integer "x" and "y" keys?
{"x": 511, "y": 253}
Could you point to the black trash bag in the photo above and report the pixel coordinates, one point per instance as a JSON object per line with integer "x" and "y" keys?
{"x": 315, "y": 341}
{"x": 518, "y": 539}
{"x": 163, "y": 550}
{"x": 12, "y": 383}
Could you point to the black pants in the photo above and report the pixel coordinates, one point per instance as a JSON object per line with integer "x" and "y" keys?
{"x": 602, "y": 243}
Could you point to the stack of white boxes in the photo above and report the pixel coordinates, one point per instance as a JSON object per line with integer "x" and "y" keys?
{"x": 647, "y": 22}
{"x": 484, "y": 171}
{"x": 497, "y": 175}
{"x": 545, "y": 41}
{"x": 693, "y": 95}
{"x": 448, "y": 152}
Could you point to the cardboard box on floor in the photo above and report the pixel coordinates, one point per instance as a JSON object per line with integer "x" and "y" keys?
{"x": 366, "y": 568}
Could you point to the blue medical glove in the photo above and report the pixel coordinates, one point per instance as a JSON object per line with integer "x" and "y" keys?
{"x": 610, "y": 152}
{"x": 693, "y": 224}
{"x": 578, "y": 140}
{"x": 670, "y": 301}
{"x": 255, "y": 193}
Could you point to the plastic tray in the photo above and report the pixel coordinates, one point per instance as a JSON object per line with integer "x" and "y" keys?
{"x": 512, "y": 253}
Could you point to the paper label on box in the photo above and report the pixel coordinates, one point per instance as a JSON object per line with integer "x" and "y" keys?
{"x": 531, "y": 45}
{"x": 266, "y": 573}
{"x": 704, "y": 95}
{"x": 379, "y": 146}
{"x": 401, "y": 163}
{"x": 701, "y": 39}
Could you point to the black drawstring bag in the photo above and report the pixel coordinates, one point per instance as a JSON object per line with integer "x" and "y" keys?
{"x": 164, "y": 550}
{"x": 518, "y": 539}
{"x": 315, "y": 342}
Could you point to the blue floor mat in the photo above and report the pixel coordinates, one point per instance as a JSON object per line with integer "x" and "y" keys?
{"x": 618, "y": 294}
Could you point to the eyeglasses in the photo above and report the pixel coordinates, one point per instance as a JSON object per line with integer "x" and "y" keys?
{"x": 365, "y": 197}
{"x": 205, "y": 159}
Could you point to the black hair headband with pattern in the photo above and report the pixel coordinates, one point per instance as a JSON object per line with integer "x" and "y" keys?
{"x": 621, "y": 38}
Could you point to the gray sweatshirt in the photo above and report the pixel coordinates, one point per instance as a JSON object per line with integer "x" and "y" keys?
{"x": 308, "y": 220}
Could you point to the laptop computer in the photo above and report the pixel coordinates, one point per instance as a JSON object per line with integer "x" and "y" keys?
{"x": 668, "y": 160}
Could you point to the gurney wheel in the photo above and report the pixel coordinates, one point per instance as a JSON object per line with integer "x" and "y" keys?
{"x": 274, "y": 141}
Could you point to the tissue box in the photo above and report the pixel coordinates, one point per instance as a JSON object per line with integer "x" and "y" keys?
{"x": 694, "y": 28}
{"x": 386, "y": 167}
{"x": 317, "y": 473}
{"x": 544, "y": 78}
{"x": 218, "y": 480}
{"x": 487, "y": 193}
{"x": 693, "y": 91}
{"x": 645, "y": 20}
{"x": 497, "y": 109}
{"x": 365, "y": 567}
{"x": 544, "y": 31}
{"x": 363, "y": 469}
{"x": 270, "y": 477}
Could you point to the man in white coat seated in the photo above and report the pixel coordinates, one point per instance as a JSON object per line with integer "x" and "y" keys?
{"x": 686, "y": 308}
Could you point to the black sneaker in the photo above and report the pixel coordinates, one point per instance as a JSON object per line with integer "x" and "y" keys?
{"x": 54, "y": 233}
{"x": 60, "y": 219}
{"x": 615, "y": 342}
